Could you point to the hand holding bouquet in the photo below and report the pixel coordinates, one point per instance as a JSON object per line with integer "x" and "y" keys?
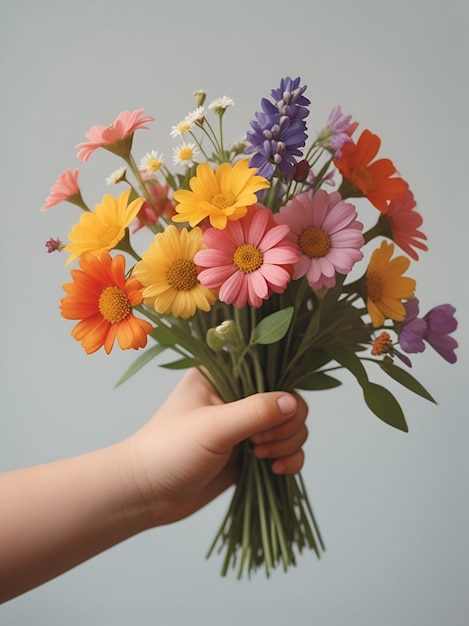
{"x": 258, "y": 275}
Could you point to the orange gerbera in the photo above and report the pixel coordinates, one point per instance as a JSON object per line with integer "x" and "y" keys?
{"x": 374, "y": 180}
{"x": 386, "y": 287}
{"x": 102, "y": 299}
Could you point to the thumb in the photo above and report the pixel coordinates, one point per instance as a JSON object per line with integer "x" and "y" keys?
{"x": 233, "y": 422}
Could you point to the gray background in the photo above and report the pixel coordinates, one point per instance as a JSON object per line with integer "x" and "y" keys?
{"x": 392, "y": 506}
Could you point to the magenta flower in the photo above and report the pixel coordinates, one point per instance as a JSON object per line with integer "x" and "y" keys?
{"x": 327, "y": 233}
{"x": 434, "y": 328}
{"x": 65, "y": 189}
{"x": 117, "y": 137}
{"x": 248, "y": 260}
{"x": 54, "y": 245}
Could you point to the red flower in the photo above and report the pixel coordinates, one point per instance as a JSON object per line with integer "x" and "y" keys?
{"x": 375, "y": 180}
{"x": 403, "y": 223}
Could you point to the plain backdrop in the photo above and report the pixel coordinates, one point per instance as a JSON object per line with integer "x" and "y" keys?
{"x": 392, "y": 507}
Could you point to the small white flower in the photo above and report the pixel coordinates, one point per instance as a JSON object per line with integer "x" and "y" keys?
{"x": 185, "y": 154}
{"x": 151, "y": 162}
{"x": 197, "y": 116}
{"x": 221, "y": 104}
{"x": 117, "y": 176}
{"x": 182, "y": 127}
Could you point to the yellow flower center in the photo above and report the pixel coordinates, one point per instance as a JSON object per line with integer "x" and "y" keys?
{"x": 361, "y": 176}
{"x": 248, "y": 258}
{"x": 154, "y": 165}
{"x": 114, "y": 304}
{"x": 314, "y": 242}
{"x": 186, "y": 154}
{"x": 182, "y": 275}
{"x": 374, "y": 285}
{"x": 223, "y": 200}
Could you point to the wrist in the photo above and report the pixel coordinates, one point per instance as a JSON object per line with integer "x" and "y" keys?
{"x": 130, "y": 488}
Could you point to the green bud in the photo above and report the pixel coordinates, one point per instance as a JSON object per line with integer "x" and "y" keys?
{"x": 215, "y": 341}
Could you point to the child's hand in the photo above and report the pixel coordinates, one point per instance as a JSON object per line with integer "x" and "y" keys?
{"x": 186, "y": 454}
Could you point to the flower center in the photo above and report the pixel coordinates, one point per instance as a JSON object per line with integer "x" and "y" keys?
{"x": 154, "y": 165}
{"x": 247, "y": 258}
{"x": 114, "y": 304}
{"x": 374, "y": 285}
{"x": 182, "y": 275}
{"x": 223, "y": 200}
{"x": 186, "y": 154}
{"x": 362, "y": 178}
{"x": 314, "y": 242}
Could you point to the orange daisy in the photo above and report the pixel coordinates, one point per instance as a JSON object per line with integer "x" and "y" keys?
{"x": 102, "y": 299}
{"x": 375, "y": 180}
{"x": 386, "y": 287}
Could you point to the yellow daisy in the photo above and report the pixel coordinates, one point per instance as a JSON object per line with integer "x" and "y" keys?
{"x": 102, "y": 229}
{"x": 386, "y": 287}
{"x": 169, "y": 275}
{"x": 220, "y": 195}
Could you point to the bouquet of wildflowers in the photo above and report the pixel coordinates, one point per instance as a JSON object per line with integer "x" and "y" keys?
{"x": 259, "y": 274}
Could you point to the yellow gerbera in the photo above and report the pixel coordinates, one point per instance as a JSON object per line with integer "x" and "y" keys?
{"x": 220, "y": 195}
{"x": 102, "y": 229}
{"x": 169, "y": 275}
{"x": 386, "y": 287}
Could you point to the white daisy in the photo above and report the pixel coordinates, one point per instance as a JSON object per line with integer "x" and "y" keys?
{"x": 221, "y": 104}
{"x": 182, "y": 127}
{"x": 151, "y": 162}
{"x": 197, "y": 116}
{"x": 185, "y": 154}
{"x": 117, "y": 176}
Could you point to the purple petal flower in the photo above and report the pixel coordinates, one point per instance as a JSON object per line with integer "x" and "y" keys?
{"x": 440, "y": 322}
{"x": 412, "y": 329}
{"x": 434, "y": 328}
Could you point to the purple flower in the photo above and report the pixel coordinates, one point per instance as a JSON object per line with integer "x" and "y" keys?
{"x": 279, "y": 130}
{"x": 434, "y": 328}
{"x": 337, "y": 129}
{"x": 440, "y": 322}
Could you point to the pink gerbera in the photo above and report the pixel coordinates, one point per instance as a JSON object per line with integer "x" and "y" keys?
{"x": 117, "y": 137}
{"x": 248, "y": 260}
{"x": 65, "y": 189}
{"x": 327, "y": 233}
{"x": 401, "y": 223}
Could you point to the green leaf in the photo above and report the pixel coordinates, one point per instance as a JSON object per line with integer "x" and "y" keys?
{"x": 273, "y": 327}
{"x": 384, "y": 405}
{"x": 316, "y": 381}
{"x": 142, "y": 360}
{"x": 182, "y": 364}
{"x": 405, "y": 379}
{"x": 349, "y": 360}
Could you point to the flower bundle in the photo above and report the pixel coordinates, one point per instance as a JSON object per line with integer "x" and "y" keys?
{"x": 259, "y": 274}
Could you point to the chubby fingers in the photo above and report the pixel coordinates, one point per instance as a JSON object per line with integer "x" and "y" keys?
{"x": 284, "y": 442}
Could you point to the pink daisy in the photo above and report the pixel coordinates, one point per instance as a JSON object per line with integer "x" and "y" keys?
{"x": 326, "y": 230}
{"x": 117, "y": 137}
{"x": 403, "y": 223}
{"x": 65, "y": 188}
{"x": 248, "y": 260}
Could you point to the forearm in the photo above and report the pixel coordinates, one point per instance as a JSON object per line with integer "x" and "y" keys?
{"x": 58, "y": 515}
